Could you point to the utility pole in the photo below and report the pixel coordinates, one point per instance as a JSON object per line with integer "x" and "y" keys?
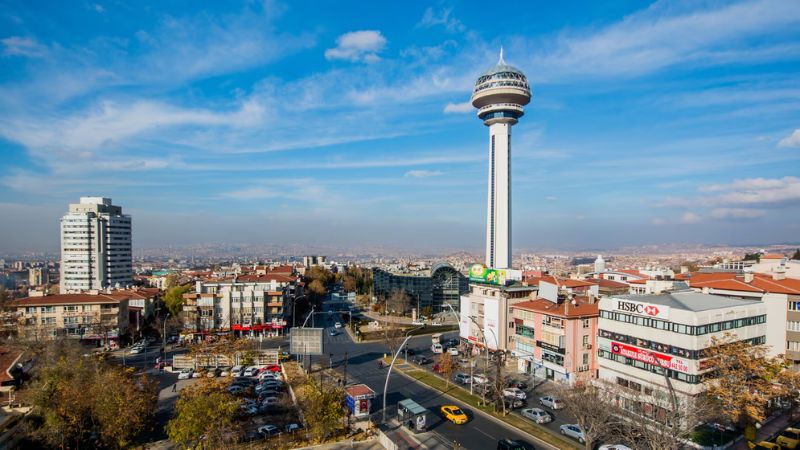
{"x": 345, "y": 369}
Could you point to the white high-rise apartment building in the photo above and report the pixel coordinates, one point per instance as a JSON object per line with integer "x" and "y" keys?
{"x": 499, "y": 94}
{"x": 95, "y": 246}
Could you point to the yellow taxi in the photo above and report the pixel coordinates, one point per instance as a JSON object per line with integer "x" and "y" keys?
{"x": 789, "y": 438}
{"x": 763, "y": 445}
{"x": 454, "y": 414}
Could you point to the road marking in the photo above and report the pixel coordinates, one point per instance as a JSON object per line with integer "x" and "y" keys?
{"x": 483, "y": 432}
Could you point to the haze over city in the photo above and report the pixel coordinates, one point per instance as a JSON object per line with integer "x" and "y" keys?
{"x": 266, "y": 122}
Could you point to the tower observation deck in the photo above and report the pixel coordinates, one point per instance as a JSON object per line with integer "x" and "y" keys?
{"x": 500, "y": 94}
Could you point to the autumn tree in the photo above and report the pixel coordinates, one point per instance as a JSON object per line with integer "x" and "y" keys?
{"x": 350, "y": 284}
{"x": 317, "y": 288}
{"x": 741, "y": 378}
{"x": 322, "y": 404}
{"x": 205, "y": 411}
{"x": 77, "y": 396}
{"x": 398, "y": 301}
{"x": 588, "y": 404}
{"x": 447, "y": 366}
{"x": 171, "y": 280}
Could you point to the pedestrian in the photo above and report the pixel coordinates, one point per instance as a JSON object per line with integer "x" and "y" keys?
{"x": 175, "y": 387}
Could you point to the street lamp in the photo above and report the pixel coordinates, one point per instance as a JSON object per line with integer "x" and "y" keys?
{"x": 391, "y": 366}
{"x": 164, "y": 339}
{"x": 485, "y": 344}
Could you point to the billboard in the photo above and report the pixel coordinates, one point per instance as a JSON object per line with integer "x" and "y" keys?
{"x": 482, "y": 274}
{"x": 465, "y": 324}
{"x": 306, "y": 341}
{"x": 649, "y": 357}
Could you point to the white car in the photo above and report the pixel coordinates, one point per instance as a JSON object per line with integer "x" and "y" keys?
{"x": 269, "y": 430}
{"x": 537, "y": 415}
{"x": 267, "y": 375}
{"x": 573, "y": 431}
{"x": 185, "y": 374}
{"x": 551, "y": 402}
{"x": 337, "y": 325}
{"x": 250, "y": 371}
{"x": 614, "y": 447}
{"x": 453, "y": 351}
{"x": 136, "y": 349}
{"x": 515, "y": 393}
{"x": 461, "y": 378}
{"x": 237, "y": 371}
{"x": 480, "y": 378}
{"x": 436, "y": 348}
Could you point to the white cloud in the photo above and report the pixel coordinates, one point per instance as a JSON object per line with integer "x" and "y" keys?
{"x": 762, "y": 191}
{"x": 358, "y": 46}
{"x": 22, "y": 46}
{"x": 423, "y": 173}
{"x": 793, "y": 140}
{"x": 459, "y": 108}
{"x": 99, "y": 8}
{"x": 432, "y": 18}
{"x": 252, "y": 193}
{"x": 737, "y": 213}
{"x": 551, "y": 198}
{"x": 666, "y": 34}
{"x": 690, "y": 217}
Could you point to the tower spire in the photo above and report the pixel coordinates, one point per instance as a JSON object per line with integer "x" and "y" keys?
{"x": 501, "y": 62}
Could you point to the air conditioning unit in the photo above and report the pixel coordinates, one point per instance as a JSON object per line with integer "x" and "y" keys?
{"x": 587, "y": 346}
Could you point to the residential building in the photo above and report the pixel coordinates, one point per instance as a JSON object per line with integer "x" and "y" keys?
{"x": 95, "y": 246}
{"x": 37, "y": 276}
{"x": 780, "y": 295}
{"x": 645, "y": 338}
{"x": 314, "y": 260}
{"x": 777, "y": 263}
{"x": 556, "y": 339}
{"x": 435, "y": 288}
{"x": 485, "y": 318}
{"x": 253, "y": 305}
{"x": 93, "y": 317}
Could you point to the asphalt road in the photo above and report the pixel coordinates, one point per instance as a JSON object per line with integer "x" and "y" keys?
{"x": 479, "y": 433}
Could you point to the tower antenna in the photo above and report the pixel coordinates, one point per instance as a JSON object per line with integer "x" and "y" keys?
{"x": 501, "y": 62}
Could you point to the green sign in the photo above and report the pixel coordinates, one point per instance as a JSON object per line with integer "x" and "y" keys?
{"x": 482, "y": 274}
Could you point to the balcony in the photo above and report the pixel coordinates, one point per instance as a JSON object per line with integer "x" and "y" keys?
{"x": 553, "y": 330}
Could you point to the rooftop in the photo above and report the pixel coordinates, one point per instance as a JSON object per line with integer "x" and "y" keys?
{"x": 71, "y": 299}
{"x": 583, "y": 308}
{"x": 688, "y": 300}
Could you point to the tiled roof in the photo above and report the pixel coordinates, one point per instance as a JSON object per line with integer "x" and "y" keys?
{"x": 582, "y": 309}
{"x": 760, "y": 283}
{"x": 566, "y": 282}
{"x": 772, "y": 256}
{"x": 8, "y": 356}
{"x": 609, "y": 284}
{"x": 71, "y": 299}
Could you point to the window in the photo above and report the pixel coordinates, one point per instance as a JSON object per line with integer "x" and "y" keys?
{"x": 586, "y": 323}
{"x": 585, "y": 359}
{"x": 793, "y": 306}
{"x": 71, "y": 308}
{"x": 585, "y": 340}
{"x": 793, "y": 326}
{"x": 793, "y": 346}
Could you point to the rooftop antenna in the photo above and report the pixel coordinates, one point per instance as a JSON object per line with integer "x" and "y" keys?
{"x": 501, "y": 62}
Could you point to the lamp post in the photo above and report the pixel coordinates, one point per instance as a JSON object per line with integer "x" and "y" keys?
{"x": 164, "y": 339}
{"x": 485, "y": 344}
{"x": 391, "y": 366}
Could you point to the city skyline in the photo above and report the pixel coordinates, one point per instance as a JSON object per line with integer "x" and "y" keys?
{"x": 284, "y": 123}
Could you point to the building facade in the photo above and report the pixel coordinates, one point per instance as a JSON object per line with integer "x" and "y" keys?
{"x": 99, "y": 318}
{"x": 643, "y": 338}
{"x": 249, "y": 305}
{"x": 485, "y": 319}
{"x": 556, "y": 340}
{"x": 95, "y": 246}
{"x": 437, "y": 288}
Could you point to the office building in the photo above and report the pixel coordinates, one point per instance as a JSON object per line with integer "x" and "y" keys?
{"x": 95, "y": 246}
{"x": 500, "y": 94}
{"x": 434, "y": 288}
{"x": 485, "y": 318}
{"x": 643, "y": 338}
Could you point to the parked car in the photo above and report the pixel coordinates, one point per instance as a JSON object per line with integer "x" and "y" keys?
{"x": 333, "y": 332}
{"x": 421, "y": 360}
{"x": 454, "y": 414}
{"x": 172, "y": 339}
{"x": 250, "y": 410}
{"x": 513, "y": 403}
{"x": 215, "y": 372}
{"x": 437, "y": 348}
{"x": 614, "y": 447}
{"x": 551, "y": 402}
{"x": 480, "y": 378}
{"x": 269, "y": 376}
{"x": 517, "y": 384}
{"x": 236, "y": 389}
{"x": 225, "y": 371}
{"x": 789, "y": 438}
{"x": 537, "y": 415}
{"x": 237, "y": 371}
{"x": 515, "y": 392}
{"x": 136, "y": 349}
{"x": 292, "y": 427}
{"x": 269, "y": 430}
{"x": 452, "y": 342}
{"x": 461, "y": 378}
{"x": 516, "y": 444}
{"x": 185, "y": 374}
{"x": 573, "y": 431}
{"x": 453, "y": 351}
{"x": 337, "y": 325}
{"x": 274, "y": 368}
{"x": 250, "y": 371}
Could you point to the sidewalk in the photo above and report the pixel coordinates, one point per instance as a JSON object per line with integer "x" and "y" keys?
{"x": 767, "y": 432}
{"x": 371, "y": 444}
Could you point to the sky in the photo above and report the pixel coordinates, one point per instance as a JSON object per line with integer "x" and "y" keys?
{"x": 348, "y": 123}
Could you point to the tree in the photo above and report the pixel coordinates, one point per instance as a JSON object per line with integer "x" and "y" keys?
{"x": 173, "y": 299}
{"x": 392, "y": 338}
{"x": 398, "y": 301}
{"x": 322, "y": 407}
{"x": 427, "y": 312}
{"x": 171, "y": 280}
{"x": 77, "y": 396}
{"x": 446, "y": 367}
{"x": 350, "y": 284}
{"x": 317, "y": 288}
{"x": 755, "y": 256}
{"x": 741, "y": 378}
{"x": 593, "y": 414}
{"x": 204, "y": 412}
{"x": 499, "y": 382}
{"x": 796, "y": 255}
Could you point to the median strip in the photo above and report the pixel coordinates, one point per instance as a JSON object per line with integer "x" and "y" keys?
{"x": 469, "y": 399}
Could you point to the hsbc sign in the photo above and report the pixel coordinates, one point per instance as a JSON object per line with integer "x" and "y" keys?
{"x": 642, "y": 309}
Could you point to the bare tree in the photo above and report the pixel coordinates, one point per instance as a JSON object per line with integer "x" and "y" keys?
{"x": 596, "y": 417}
{"x": 499, "y": 381}
{"x": 446, "y": 367}
{"x": 398, "y": 302}
{"x": 392, "y": 338}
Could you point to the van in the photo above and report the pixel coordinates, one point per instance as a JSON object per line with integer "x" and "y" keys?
{"x": 437, "y": 348}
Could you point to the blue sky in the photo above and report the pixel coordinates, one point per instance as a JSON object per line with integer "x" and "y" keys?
{"x": 346, "y": 123}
